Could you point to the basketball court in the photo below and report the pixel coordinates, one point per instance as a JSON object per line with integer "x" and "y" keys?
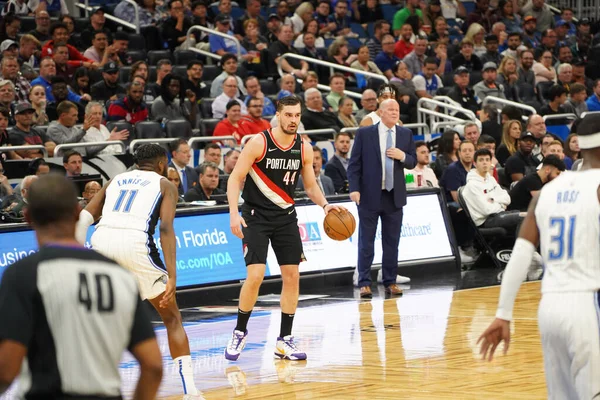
{"x": 419, "y": 346}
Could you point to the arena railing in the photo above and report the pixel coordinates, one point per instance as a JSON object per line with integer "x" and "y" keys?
{"x": 437, "y": 116}
{"x": 583, "y": 114}
{"x": 569, "y": 116}
{"x": 457, "y": 108}
{"x": 137, "y": 142}
{"x": 494, "y": 99}
{"x": 66, "y": 146}
{"x": 212, "y": 32}
{"x": 136, "y": 27}
{"x": 421, "y": 127}
{"x": 6, "y": 149}
{"x": 332, "y": 66}
{"x": 199, "y": 139}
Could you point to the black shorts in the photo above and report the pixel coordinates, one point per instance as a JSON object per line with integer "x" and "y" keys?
{"x": 280, "y": 229}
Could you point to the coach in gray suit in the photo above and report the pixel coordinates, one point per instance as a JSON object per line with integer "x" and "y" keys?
{"x": 324, "y": 182}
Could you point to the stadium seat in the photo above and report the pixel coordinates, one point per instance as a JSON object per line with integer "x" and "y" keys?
{"x": 562, "y": 131}
{"x": 209, "y": 125}
{"x": 137, "y": 41}
{"x": 358, "y": 29}
{"x": 237, "y": 13}
{"x": 178, "y": 128}
{"x": 124, "y": 73}
{"x": 488, "y": 238}
{"x": 448, "y": 79}
{"x": 475, "y": 77}
{"x": 542, "y": 91}
{"x": 120, "y": 125}
{"x": 502, "y": 178}
{"x": 268, "y": 86}
{"x": 149, "y": 130}
{"x": 389, "y": 10}
{"x": 81, "y": 24}
{"x": 183, "y": 57}
{"x": 154, "y": 56}
{"x": 210, "y": 72}
{"x": 152, "y": 73}
{"x": 206, "y": 108}
{"x": 526, "y": 91}
{"x": 180, "y": 70}
{"x": 136, "y": 55}
{"x": 27, "y": 24}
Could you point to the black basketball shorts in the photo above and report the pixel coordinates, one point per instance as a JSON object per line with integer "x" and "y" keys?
{"x": 280, "y": 229}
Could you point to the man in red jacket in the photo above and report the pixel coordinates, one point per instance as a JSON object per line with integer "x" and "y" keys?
{"x": 60, "y": 34}
{"x": 253, "y": 122}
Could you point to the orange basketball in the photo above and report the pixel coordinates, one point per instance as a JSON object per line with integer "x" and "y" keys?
{"x": 339, "y": 225}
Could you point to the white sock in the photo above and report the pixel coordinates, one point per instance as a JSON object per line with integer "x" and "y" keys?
{"x": 185, "y": 372}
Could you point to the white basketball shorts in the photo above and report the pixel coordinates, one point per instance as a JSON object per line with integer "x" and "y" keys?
{"x": 571, "y": 343}
{"x": 133, "y": 251}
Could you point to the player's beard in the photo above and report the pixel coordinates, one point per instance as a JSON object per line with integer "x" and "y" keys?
{"x": 289, "y": 131}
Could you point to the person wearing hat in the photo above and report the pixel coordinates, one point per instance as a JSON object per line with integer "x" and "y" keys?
{"x": 218, "y": 44}
{"x": 522, "y": 162}
{"x": 97, "y": 23}
{"x": 273, "y": 24}
{"x": 108, "y": 88}
{"x": 174, "y": 29}
{"x": 488, "y": 86}
{"x": 9, "y": 48}
{"x": 542, "y": 13}
{"x": 461, "y": 93}
{"x": 23, "y": 133}
{"x": 491, "y": 53}
{"x": 562, "y": 29}
{"x": 531, "y": 37}
{"x": 567, "y": 14}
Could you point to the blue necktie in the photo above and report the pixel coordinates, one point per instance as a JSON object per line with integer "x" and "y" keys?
{"x": 184, "y": 183}
{"x": 389, "y": 164}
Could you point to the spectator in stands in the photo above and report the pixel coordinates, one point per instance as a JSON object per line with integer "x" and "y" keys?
{"x": 571, "y": 148}
{"x": 229, "y": 161}
{"x": 218, "y": 44}
{"x": 194, "y": 71}
{"x": 212, "y": 153}
{"x": 16, "y": 7}
{"x": 508, "y": 77}
{"x": 466, "y": 58}
{"x": 489, "y": 122}
{"x": 108, "y": 88}
{"x": 557, "y": 96}
{"x": 404, "y": 45}
{"x": 120, "y": 45}
{"x": 315, "y": 116}
{"x": 476, "y": 35}
{"x": 283, "y": 45}
{"x": 369, "y": 11}
{"x": 19, "y": 203}
{"x": 337, "y": 165}
{"x": 229, "y": 63}
{"x": 580, "y": 77}
{"x": 312, "y": 42}
{"x": 100, "y": 51}
{"x": 97, "y": 132}
{"x": 415, "y": 60}
{"x": 337, "y": 83}
{"x": 546, "y": 141}
{"x": 368, "y": 102}
{"x": 97, "y": 24}
{"x": 181, "y": 154}
{"x": 131, "y": 108}
{"x": 531, "y": 37}
{"x": 322, "y": 17}
{"x": 37, "y": 97}
{"x": 27, "y": 56}
{"x": 73, "y": 163}
{"x": 10, "y": 71}
{"x": 90, "y": 190}
{"x": 63, "y": 130}
{"x": 254, "y": 43}
{"x": 522, "y": 193}
{"x": 567, "y": 14}
{"x": 252, "y": 13}
{"x": 7, "y": 97}
{"x": 525, "y": 72}
{"x": 422, "y": 168}
{"x": 324, "y": 182}
{"x": 54, "y": 7}
{"x": 224, "y": 8}
{"x": 380, "y": 29}
{"x": 509, "y": 17}
{"x": 5, "y": 187}
{"x": 341, "y": 19}
{"x": 345, "y": 116}
{"x": 565, "y": 76}
{"x": 47, "y": 72}
{"x": 513, "y": 43}
{"x": 440, "y": 50}
{"x": 537, "y": 126}
{"x": 253, "y": 122}
{"x": 447, "y": 151}
{"x": 174, "y": 28}
{"x": 74, "y": 40}
{"x": 9, "y": 48}
{"x": 301, "y": 16}
{"x": 565, "y": 55}
{"x": 174, "y": 178}
{"x": 10, "y": 26}
{"x": 461, "y": 93}
{"x": 548, "y": 44}
{"x": 511, "y": 132}
{"x": 200, "y": 17}
{"x": 471, "y": 132}
{"x": 541, "y": 12}
{"x": 81, "y": 81}
{"x": 491, "y": 54}
{"x": 254, "y": 90}
{"x": 60, "y": 34}
{"x": 38, "y": 167}
{"x": 427, "y": 82}
{"x": 42, "y": 26}
{"x": 175, "y": 102}
{"x": 230, "y": 92}
{"x": 523, "y": 161}
{"x": 488, "y": 142}
{"x": 24, "y": 134}
{"x": 593, "y": 102}
{"x": 556, "y": 149}
{"x": 149, "y": 16}
{"x": 287, "y": 86}
{"x": 309, "y": 46}
{"x": 410, "y": 9}
{"x": 140, "y": 69}
{"x": 483, "y": 15}
{"x": 61, "y": 57}
{"x": 229, "y": 126}
{"x": 208, "y": 184}
{"x": 163, "y": 68}
{"x": 363, "y": 62}
{"x": 488, "y": 86}
{"x": 385, "y": 92}
{"x": 576, "y": 103}
{"x": 386, "y": 60}
{"x": 455, "y": 175}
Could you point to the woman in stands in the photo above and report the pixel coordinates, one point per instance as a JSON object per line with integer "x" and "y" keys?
{"x": 10, "y": 27}
{"x": 74, "y": 40}
{"x": 175, "y": 102}
{"x": 339, "y": 53}
{"x": 543, "y": 69}
{"x": 511, "y": 132}
{"x": 571, "y": 148}
{"x": 476, "y": 33}
{"x": 311, "y": 26}
{"x": 508, "y": 75}
{"x": 81, "y": 81}
{"x": 447, "y": 151}
{"x": 37, "y": 98}
{"x": 345, "y": 112}
{"x": 507, "y": 15}
{"x": 229, "y": 126}
{"x": 369, "y": 11}
{"x": 254, "y": 43}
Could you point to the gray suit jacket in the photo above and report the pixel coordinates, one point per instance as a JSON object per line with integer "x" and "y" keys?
{"x": 328, "y": 188}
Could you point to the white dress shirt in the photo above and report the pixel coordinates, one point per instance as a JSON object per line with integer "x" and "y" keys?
{"x": 383, "y": 134}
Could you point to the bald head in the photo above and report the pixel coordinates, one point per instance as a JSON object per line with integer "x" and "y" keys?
{"x": 91, "y": 189}
{"x": 25, "y": 184}
{"x": 52, "y": 200}
{"x": 390, "y": 112}
{"x": 537, "y": 126}
{"x": 230, "y": 86}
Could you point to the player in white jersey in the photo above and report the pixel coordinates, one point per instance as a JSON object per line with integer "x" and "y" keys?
{"x": 565, "y": 220}
{"x": 130, "y": 206}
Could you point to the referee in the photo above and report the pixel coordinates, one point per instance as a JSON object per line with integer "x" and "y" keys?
{"x": 69, "y": 312}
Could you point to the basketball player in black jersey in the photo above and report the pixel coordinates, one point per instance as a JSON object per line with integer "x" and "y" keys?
{"x": 273, "y": 160}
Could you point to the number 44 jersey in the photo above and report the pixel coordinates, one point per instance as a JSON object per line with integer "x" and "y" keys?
{"x": 273, "y": 178}
{"x": 568, "y": 218}
{"x": 133, "y": 202}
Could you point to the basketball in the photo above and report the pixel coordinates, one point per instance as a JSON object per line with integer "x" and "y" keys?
{"x": 339, "y": 225}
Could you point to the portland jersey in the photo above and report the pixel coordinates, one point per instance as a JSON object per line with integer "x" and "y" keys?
{"x": 274, "y": 176}
{"x": 133, "y": 202}
{"x": 568, "y": 218}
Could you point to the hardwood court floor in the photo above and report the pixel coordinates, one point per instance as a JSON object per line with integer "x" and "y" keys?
{"x": 421, "y": 346}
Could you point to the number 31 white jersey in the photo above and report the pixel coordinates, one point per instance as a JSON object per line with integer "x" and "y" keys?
{"x": 568, "y": 218}
{"x": 133, "y": 202}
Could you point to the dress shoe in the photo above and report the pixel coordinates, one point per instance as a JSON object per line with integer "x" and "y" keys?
{"x": 393, "y": 290}
{"x": 365, "y": 292}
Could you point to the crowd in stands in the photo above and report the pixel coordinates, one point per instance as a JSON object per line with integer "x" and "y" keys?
{"x": 69, "y": 79}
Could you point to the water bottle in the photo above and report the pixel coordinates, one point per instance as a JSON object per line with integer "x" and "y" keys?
{"x": 410, "y": 181}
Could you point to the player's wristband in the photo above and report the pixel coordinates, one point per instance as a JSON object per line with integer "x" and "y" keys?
{"x": 325, "y": 205}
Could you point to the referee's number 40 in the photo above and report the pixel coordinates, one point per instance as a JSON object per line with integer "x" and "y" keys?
{"x": 96, "y": 292}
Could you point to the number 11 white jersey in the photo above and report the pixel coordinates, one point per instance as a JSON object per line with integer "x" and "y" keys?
{"x": 133, "y": 202}
{"x": 568, "y": 218}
